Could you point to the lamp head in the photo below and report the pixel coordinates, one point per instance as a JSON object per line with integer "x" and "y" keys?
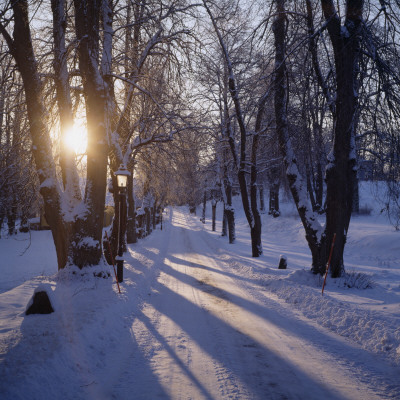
{"x": 122, "y": 177}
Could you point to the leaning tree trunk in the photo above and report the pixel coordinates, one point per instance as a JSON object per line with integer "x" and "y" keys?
{"x": 313, "y": 229}
{"x": 254, "y": 221}
{"x": 21, "y": 49}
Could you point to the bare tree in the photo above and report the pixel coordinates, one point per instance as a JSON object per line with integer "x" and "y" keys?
{"x": 250, "y": 205}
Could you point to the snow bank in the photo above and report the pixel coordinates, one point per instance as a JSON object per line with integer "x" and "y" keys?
{"x": 372, "y": 330}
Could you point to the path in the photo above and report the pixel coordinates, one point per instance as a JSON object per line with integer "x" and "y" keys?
{"x": 206, "y": 332}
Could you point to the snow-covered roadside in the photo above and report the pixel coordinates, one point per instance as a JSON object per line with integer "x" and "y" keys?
{"x": 26, "y": 256}
{"x": 363, "y": 306}
{"x": 98, "y": 343}
{"x": 73, "y": 352}
{"x": 373, "y": 330}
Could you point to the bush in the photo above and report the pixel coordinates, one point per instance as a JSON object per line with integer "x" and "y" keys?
{"x": 356, "y": 280}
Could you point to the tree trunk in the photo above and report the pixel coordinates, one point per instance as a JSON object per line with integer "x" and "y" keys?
{"x": 224, "y": 223}
{"x": 12, "y": 215}
{"x": 341, "y": 172}
{"x": 255, "y": 227}
{"x": 148, "y": 220}
{"x": 67, "y": 156}
{"x": 249, "y": 208}
{"x": 319, "y": 189}
{"x": 203, "y": 215}
{"x": 356, "y": 197}
{"x": 262, "y": 201}
{"x": 230, "y": 216}
{"x": 131, "y": 234}
{"x": 154, "y": 212}
{"x": 214, "y": 214}
{"x": 2, "y": 216}
{"x": 274, "y": 198}
{"x": 310, "y": 188}
{"x": 123, "y": 222}
{"x": 229, "y": 211}
{"x": 313, "y": 229}
{"x": 21, "y": 49}
{"x": 88, "y": 228}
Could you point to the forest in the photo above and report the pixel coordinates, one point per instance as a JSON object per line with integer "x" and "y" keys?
{"x": 199, "y": 101}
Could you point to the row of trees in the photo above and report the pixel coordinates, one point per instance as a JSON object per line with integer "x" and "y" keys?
{"x": 336, "y": 65}
{"x": 193, "y": 96}
{"x": 117, "y": 60}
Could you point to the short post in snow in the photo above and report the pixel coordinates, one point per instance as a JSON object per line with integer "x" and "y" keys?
{"x": 282, "y": 262}
{"x": 122, "y": 183}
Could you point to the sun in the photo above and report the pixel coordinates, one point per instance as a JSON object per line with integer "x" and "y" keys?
{"x": 76, "y": 138}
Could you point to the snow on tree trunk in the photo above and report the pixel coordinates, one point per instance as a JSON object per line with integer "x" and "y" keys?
{"x": 313, "y": 229}
{"x": 341, "y": 171}
{"x": 249, "y": 207}
{"x": 21, "y": 49}
{"x": 67, "y": 155}
{"x": 229, "y": 211}
{"x": 86, "y": 243}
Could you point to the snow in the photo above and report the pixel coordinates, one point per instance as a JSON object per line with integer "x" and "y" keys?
{"x": 198, "y": 318}
{"x": 87, "y": 241}
{"x": 47, "y": 183}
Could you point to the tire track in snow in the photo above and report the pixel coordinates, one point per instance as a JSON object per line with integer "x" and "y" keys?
{"x": 356, "y": 367}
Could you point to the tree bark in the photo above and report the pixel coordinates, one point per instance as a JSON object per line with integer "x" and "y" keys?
{"x": 214, "y": 213}
{"x": 313, "y": 229}
{"x": 203, "y": 214}
{"x": 67, "y": 155}
{"x": 341, "y": 172}
{"x": 224, "y": 223}
{"x": 88, "y": 228}
{"x": 249, "y": 207}
{"x": 131, "y": 234}
{"x": 229, "y": 211}
{"x": 21, "y": 49}
{"x": 262, "y": 200}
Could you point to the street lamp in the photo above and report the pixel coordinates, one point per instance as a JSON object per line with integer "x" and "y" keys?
{"x": 122, "y": 183}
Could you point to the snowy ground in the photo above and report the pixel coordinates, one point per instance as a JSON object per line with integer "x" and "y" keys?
{"x": 199, "y": 319}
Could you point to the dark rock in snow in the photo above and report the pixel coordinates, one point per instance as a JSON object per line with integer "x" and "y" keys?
{"x": 40, "y": 304}
{"x": 282, "y": 263}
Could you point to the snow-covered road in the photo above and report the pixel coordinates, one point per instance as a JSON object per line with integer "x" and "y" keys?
{"x": 197, "y": 319}
{"x": 205, "y": 332}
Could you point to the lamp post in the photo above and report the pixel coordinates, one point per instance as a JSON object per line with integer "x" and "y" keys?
{"x": 122, "y": 183}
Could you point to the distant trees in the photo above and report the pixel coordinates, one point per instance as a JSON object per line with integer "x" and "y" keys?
{"x": 18, "y": 184}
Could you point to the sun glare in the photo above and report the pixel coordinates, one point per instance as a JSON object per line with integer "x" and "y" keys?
{"x": 76, "y": 138}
